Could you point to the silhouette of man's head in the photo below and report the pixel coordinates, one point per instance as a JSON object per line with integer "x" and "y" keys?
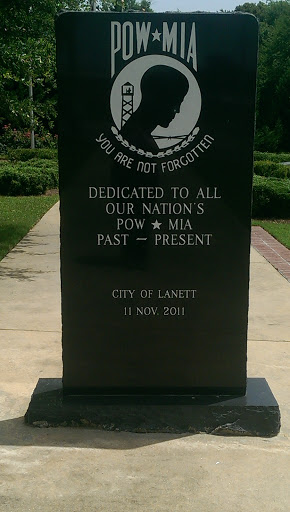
{"x": 163, "y": 90}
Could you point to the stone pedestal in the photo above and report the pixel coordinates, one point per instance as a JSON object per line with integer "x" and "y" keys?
{"x": 256, "y": 414}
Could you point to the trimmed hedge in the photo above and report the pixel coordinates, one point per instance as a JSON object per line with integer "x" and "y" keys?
{"x": 34, "y": 163}
{"x": 271, "y": 157}
{"x": 271, "y": 198}
{"x": 28, "y": 154}
{"x": 271, "y": 169}
{"x": 24, "y": 179}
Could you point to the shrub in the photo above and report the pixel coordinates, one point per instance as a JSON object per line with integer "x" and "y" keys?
{"x": 271, "y": 157}
{"x": 267, "y": 138}
{"x": 3, "y": 148}
{"x": 12, "y": 138}
{"x": 271, "y": 198}
{"x": 17, "y": 183}
{"x": 35, "y": 163}
{"x": 271, "y": 169}
{"x": 25, "y": 179}
{"x": 28, "y": 154}
{"x": 20, "y": 138}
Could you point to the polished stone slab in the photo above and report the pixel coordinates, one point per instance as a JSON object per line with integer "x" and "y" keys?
{"x": 255, "y": 414}
{"x": 155, "y": 224}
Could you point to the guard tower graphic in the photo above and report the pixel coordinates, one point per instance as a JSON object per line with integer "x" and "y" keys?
{"x": 127, "y": 102}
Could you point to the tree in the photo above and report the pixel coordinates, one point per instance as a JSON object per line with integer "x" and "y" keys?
{"x": 27, "y": 63}
{"x": 125, "y": 5}
{"x": 28, "y": 93}
{"x": 273, "y": 105}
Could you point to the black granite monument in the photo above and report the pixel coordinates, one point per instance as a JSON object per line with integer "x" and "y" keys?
{"x": 156, "y": 127}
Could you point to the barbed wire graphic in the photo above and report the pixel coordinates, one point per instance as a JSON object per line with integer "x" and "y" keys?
{"x": 161, "y": 154}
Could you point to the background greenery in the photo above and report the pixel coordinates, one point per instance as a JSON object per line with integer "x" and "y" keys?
{"x": 273, "y": 105}
{"x": 24, "y": 172}
{"x": 27, "y": 55}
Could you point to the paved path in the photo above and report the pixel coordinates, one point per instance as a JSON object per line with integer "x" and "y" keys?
{"x": 79, "y": 470}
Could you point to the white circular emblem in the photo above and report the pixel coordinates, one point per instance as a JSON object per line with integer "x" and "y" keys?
{"x": 151, "y": 90}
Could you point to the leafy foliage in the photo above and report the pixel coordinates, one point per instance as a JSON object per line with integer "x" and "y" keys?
{"x": 271, "y": 157}
{"x": 271, "y": 198}
{"x": 271, "y": 169}
{"x": 28, "y": 154}
{"x": 27, "y": 55}
{"x": 28, "y": 178}
{"x": 12, "y": 138}
{"x": 27, "y": 49}
{"x": 273, "y": 105}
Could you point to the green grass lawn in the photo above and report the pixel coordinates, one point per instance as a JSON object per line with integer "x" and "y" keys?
{"x": 18, "y": 215}
{"x": 279, "y": 229}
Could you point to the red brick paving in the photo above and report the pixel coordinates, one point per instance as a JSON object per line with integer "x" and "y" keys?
{"x": 272, "y": 250}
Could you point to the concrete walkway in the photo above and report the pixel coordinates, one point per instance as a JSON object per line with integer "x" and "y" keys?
{"x": 80, "y": 470}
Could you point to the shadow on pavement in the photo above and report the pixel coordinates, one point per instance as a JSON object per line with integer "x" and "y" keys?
{"x": 14, "y": 432}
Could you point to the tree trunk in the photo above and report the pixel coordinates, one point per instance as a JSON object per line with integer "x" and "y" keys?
{"x": 32, "y": 137}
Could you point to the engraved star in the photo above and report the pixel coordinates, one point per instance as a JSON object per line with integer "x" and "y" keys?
{"x": 156, "y": 35}
{"x": 156, "y": 224}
